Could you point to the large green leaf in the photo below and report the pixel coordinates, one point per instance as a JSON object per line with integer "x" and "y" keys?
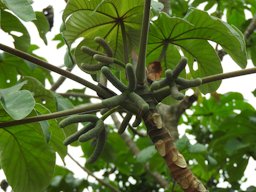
{"x": 12, "y": 89}
{"x": 27, "y": 160}
{"x": 11, "y": 24}
{"x": 52, "y": 132}
{"x": 41, "y": 95}
{"x": 42, "y": 25}
{"x": 208, "y": 62}
{"x": 191, "y": 34}
{"x": 88, "y": 19}
{"x": 64, "y": 104}
{"x": 21, "y": 8}
{"x": 17, "y": 103}
{"x": 212, "y": 28}
{"x": 11, "y": 67}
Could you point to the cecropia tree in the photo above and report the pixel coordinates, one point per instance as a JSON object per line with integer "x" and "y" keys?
{"x": 151, "y": 52}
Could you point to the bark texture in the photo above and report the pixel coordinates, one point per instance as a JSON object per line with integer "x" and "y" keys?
{"x": 165, "y": 146}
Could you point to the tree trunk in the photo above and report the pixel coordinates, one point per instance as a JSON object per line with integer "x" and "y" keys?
{"x": 165, "y": 146}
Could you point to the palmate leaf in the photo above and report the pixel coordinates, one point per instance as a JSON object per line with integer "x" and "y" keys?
{"x": 191, "y": 35}
{"x": 17, "y": 103}
{"x": 88, "y": 19}
{"x": 21, "y": 8}
{"x": 27, "y": 160}
{"x": 11, "y": 24}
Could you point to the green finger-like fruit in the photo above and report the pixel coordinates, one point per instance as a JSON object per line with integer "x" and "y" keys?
{"x": 180, "y": 67}
{"x": 169, "y": 75}
{"x": 184, "y": 83}
{"x": 119, "y": 63}
{"x": 175, "y": 92}
{"x": 125, "y": 123}
{"x": 139, "y": 101}
{"x": 104, "y": 59}
{"x": 94, "y": 132}
{"x": 74, "y": 137}
{"x": 163, "y": 82}
{"x": 100, "y": 142}
{"x": 108, "y": 74}
{"x": 137, "y": 121}
{"x": 105, "y": 46}
{"x": 92, "y": 67}
{"x": 115, "y": 100}
{"x": 155, "y": 85}
{"x": 78, "y": 118}
{"x": 131, "y": 77}
{"x": 89, "y": 51}
{"x": 159, "y": 84}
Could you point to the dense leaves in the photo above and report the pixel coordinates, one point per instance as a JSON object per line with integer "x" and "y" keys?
{"x": 22, "y": 9}
{"x": 219, "y": 140}
{"x": 27, "y": 160}
{"x": 225, "y": 126}
{"x": 17, "y": 103}
{"x": 11, "y": 25}
{"x": 111, "y": 20}
{"x": 191, "y": 35}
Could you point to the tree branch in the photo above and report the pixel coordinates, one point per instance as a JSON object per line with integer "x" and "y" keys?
{"x": 59, "y": 81}
{"x": 53, "y": 68}
{"x": 71, "y": 94}
{"x": 140, "y": 69}
{"x": 101, "y": 181}
{"x": 222, "y": 76}
{"x": 164, "y": 92}
{"x": 171, "y": 114}
{"x": 135, "y": 151}
{"x": 90, "y": 108}
{"x": 165, "y": 146}
{"x": 251, "y": 27}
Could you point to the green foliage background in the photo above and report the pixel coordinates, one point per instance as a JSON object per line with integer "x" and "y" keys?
{"x": 223, "y": 125}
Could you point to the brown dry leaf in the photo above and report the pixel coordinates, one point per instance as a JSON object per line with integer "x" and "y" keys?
{"x": 154, "y": 71}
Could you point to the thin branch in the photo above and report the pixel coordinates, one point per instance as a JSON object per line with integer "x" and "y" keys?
{"x": 53, "y": 68}
{"x": 251, "y": 27}
{"x": 164, "y": 92}
{"x": 59, "y": 81}
{"x": 140, "y": 69}
{"x": 218, "y": 77}
{"x": 137, "y": 132}
{"x": 101, "y": 181}
{"x": 71, "y": 94}
{"x": 222, "y": 76}
{"x": 90, "y": 108}
{"x": 135, "y": 151}
{"x": 171, "y": 114}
